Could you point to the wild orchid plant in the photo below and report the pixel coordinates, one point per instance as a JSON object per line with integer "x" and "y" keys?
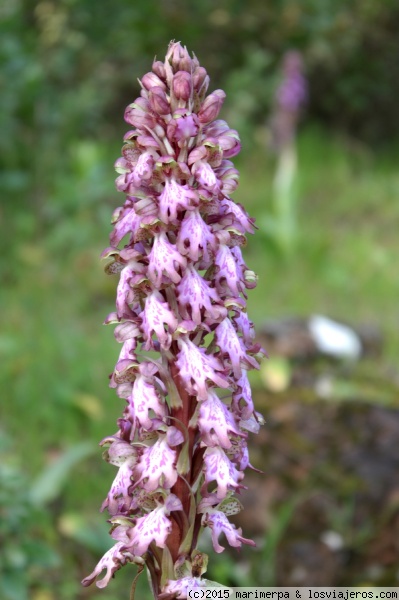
{"x": 290, "y": 99}
{"x": 181, "y": 448}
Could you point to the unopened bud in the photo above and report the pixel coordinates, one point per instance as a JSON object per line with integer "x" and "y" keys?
{"x": 159, "y": 101}
{"x": 198, "y": 153}
{"x": 182, "y": 85}
{"x": 178, "y": 57}
{"x": 159, "y": 69}
{"x": 211, "y": 106}
{"x": 199, "y": 77}
{"x": 151, "y": 80}
{"x": 137, "y": 114}
{"x": 139, "y": 118}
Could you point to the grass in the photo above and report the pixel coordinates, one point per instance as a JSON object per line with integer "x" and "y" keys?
{"x": 55, "y": 354}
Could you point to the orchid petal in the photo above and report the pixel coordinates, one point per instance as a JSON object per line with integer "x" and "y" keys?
{"x": 155, "y": 316}
{"x": 163, "y": 259}
{"x": 215, "y": 422}
{"x": 173, "y": 198}
{"x": 157, "y": 466}
{"x": 112, "y": 561}
{"x": 153, "y": 527}
{"x": 219, "y": 523}
{"x": 145, "y": 397}
{"x": 180, "y": 587}
{"x": 230, "y": 344}
{"x": 195, "y": 294}
{"x": 219, "y": 468}
{"x": 196, "y": 367}
{"x": 195, "y": 236}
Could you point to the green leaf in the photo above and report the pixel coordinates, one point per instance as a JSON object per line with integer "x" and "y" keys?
{"x": 41, "y": 554}
{"x": 14, "y": 586}
{"x": 186, "y": 543}
{"x": 51, "y": 481}
{"x": 93, "y": 536}
{"x": 167, "y": 566}
{"x": 183, "y": 462}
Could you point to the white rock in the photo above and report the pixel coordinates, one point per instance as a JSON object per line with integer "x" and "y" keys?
{"x": 334, "y": 339}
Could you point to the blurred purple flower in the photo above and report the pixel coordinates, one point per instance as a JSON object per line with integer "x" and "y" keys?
{"x": 292, "y": 92}
{"x": 290, "y": 99}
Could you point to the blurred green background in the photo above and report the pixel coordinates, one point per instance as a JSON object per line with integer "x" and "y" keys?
{"x": 68, "y": 69}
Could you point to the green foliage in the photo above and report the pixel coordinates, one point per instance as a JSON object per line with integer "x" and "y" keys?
{"x": 24, "y": 558}
{"x": 48, "y": 486}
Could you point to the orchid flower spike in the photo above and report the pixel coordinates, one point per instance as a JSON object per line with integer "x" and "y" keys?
{"x": 181, "y": 443}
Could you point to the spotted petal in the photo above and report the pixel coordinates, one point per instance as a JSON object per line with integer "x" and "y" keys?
{"x": 196, "y": 367}
{"x": 195, "y": 236}
{"x": 112, "y": 561}
{"x": 219, "y": 468}
{"x": 230, "y": 344}
{"x": 129, "y": 222}
{"x": 180, "y": 587}
{"x": 242, "y": 398}
{"x": 196, "y": 294}
{"x": 145, "y": 397}
{"x": 228, "y": 272}
{"x": 173, "y": 198}
{"x": 164, "y": 258}
{"x": 153, "y": 527}
{"x": 219, "y": 523}
{"x": 155, "y": 316}
{"x": 157, "y": 466}
{"x": 215, "y": 422}
{"x": 126, "y": 458}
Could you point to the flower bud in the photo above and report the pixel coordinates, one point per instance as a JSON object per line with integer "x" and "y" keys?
{"x": 197, "y": 154}
{"x": 151, "y": 80}
{"x": 185, "y": 64}
{"x": 137, "y": 114}
{"x": 199, "y": 77}
{"x": 229, "y": 178}
{"x": 159, "y": 69}
{"x": 201, "y": 82}
{"x": 211, "y": 106}
{"x": 182, "y": 85}
{"x": 159, "y": 101}
{"x": 178, "y": 57}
